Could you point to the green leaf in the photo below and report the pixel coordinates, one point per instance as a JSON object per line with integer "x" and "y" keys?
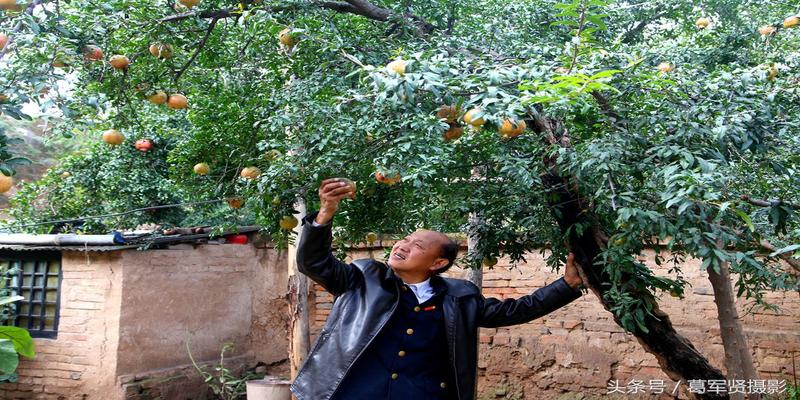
{"x": 605, "y": 74}
{"x": 597, "y": 21}
{"x": 785, "y": 250}
{"x": 745, "y": 218}
{"x": 19, "y": 161}
{"x": 9, "y": 360}
{"x": 10, "y": 299}
{"x": 565, "y": 22}
{"x": 641, "y": 325}
{"x": 21, "y": 338}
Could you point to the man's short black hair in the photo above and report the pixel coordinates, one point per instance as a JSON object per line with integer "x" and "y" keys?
{"x": 450, "y": 252}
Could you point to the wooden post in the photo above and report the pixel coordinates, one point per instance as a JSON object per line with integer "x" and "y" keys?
{"x": 299, "y": 337}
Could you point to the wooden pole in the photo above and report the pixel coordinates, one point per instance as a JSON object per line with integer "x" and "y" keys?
{"x": 299, "y": 337}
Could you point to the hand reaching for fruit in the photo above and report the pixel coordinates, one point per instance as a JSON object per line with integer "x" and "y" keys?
{"x": 331, "y": 192}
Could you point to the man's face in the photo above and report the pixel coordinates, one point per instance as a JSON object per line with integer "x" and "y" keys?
{"x": 419, "y": 252}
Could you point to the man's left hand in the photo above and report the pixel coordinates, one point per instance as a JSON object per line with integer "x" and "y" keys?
{"x": 571, "y": 275}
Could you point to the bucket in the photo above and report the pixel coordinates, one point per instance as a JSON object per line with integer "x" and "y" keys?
{"x": 269, "y": 388}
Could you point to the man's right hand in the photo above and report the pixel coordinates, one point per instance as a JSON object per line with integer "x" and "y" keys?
{"x": 331, "y": 192}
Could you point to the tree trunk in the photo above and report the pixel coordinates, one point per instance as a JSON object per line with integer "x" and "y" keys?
{"x": 738, "y": 360}
{"x": 298, "y": 305}
{"x": 475, "y": 220}
{"x": 677, "y": 356}
{"x": 474, "y": 275}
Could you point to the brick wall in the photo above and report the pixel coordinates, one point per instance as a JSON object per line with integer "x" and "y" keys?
{"x": 84, "y": 349}
{"x": 126, "y": 316}
{"x": 579, "y": 347}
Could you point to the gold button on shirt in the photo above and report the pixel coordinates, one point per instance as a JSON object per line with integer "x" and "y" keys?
{"x": 401, "y": 353}
{"x": 394, "y": 375}
{"x": 416, "y": 308}
{"x": 443, "y": 385}
{"x": 410, "y": 331}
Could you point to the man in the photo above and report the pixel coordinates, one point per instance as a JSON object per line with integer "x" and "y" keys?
{"x": 399, "y": 330}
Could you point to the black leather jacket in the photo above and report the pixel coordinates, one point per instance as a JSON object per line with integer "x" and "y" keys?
{"x": 363, "y": 305}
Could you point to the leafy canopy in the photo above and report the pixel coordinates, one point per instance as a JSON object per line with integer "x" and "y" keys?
{"x": 698, "y": 156}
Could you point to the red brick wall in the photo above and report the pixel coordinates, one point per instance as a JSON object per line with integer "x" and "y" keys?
{"x": 89, "y": 307}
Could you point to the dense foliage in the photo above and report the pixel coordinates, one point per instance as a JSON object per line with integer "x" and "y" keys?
{"x": 680, "y": 133}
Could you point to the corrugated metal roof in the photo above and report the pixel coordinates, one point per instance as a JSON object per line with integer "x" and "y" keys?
{"x": 23, "y": 247}
{"x": 68, "y": 239}
{"x": 132, "y": 241}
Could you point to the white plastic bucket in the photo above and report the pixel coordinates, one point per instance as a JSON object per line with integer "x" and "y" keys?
{"x": 269, "y": 388}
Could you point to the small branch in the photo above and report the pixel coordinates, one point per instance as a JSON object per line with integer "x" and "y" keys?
{"x": 200, "y": 46}
{"x": 605, "y": 107}
{"x": 505, "y": 85}
{"x": 581, "y": 22}
{"x": 17, "y": 28}
{"x": 613, "y": 192}
{"x": 214, "y": 14}
{"x": 768, "y": 203}
{"x": 338, "y": 6}
{"x": 117, "y": 214}
{"x": 793, "y": 262}
{"x": 451, "y": 19}
{"x": 246, "y": 45}
{"x": 352, "y": 59}
{"x": 756, "y": 202}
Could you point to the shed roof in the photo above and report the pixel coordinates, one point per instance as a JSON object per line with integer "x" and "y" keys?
{"x": 17, "y": 247}
{"x": 113, "y": 241}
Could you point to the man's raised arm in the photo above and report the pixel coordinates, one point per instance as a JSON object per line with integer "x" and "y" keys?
{"x": 314, "y": 256}
{"x": 494, "y": 312}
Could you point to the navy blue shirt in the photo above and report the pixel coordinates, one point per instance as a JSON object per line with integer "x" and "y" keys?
{"x": 408, "y": 359}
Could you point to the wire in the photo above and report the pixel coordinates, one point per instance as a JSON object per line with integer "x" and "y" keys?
{"x": 61, "y": 221}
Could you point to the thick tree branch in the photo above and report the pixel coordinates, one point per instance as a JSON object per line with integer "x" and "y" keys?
{"x": 370, "y": 10}
{"x": 676, "y": 355}
{"x": 637, "y": 30}
{"x": 357, "y": 7}
{"x": 339, "y": 6}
